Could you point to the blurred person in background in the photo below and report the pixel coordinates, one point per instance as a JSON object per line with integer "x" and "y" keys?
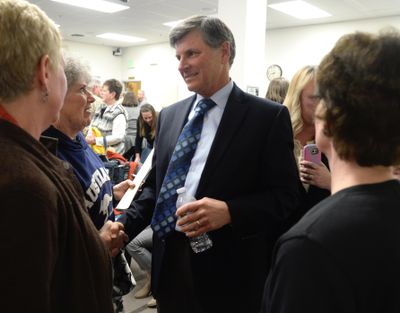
{"x": 110, "y": 119}
{"x": 301, "y": 101}
{"x": 140, "y": 250}
{"x": 141, "y": 97}
{"x": 277, "y": 90}
{"x": 95, "y": 88}
{"x": 146, "y": 132}
{"x": 131, "y": 105}
{"x": 54, "y": 252}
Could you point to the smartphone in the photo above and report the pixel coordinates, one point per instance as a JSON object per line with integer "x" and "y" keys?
{"x": 311, "y": 153}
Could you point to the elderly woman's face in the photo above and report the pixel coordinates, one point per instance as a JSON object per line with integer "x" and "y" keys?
{"x": 76, "y": 110}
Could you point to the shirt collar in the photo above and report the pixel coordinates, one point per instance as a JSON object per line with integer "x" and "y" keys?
{"x": 220, "y": 97}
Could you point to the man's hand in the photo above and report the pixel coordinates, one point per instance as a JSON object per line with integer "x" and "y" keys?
{"x": 201, "y": 216}
{"x": 113, "y": 236}
{"x": 120, "y": 189}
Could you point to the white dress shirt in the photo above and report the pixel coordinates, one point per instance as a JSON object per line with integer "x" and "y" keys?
{"x": 211, "y": 121}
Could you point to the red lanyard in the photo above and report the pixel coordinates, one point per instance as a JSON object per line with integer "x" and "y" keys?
{"x": 4, "y": 115}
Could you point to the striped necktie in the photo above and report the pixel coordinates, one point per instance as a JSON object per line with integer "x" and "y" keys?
{"x": 164, "y": 218}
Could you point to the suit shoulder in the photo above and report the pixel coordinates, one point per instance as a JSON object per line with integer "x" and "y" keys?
{"x": 264, "y": 106}
{"x": 171, "y": 109}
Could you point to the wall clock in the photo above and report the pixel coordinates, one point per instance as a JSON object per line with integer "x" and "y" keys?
{"x": 274, "y": 71}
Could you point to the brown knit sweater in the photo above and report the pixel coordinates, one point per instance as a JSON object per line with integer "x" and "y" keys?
{"x": 52, "y": 257}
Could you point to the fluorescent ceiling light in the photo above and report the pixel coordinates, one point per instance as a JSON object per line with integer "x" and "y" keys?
{"x": 299, "y": 9}
{"x": 173, "y": 23}
{"x": 119, "y": 37}
{"x": 97, "y": 5}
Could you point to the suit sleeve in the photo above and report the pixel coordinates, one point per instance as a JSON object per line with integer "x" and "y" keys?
{"x": 138, "y": 216}
{"x": 304, "y": 278}
{"x": 276, "y": 193}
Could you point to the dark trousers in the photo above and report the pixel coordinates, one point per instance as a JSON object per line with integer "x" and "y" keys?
{"x": 176, "y": 291}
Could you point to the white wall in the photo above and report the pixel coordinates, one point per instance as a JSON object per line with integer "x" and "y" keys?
{"x": 102, "y": 63}
{"x": 156, "y": 66}
{"x": 292, "y": 48}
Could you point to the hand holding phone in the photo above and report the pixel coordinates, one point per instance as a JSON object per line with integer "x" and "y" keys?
{"x": 311, "y": 153}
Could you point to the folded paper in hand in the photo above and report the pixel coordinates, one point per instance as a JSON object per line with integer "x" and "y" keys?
{"x": 138, "y": 180}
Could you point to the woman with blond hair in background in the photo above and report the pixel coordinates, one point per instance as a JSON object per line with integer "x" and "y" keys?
{"x": 301, "y": 101}
{"x": 277, "y": 90}
{"x": 53, "y": 249}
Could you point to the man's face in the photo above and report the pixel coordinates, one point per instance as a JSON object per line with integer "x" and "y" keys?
{"x": 96, "y": 90}
{"x": 204, "y": 69}
{"x": 140, "y": 95}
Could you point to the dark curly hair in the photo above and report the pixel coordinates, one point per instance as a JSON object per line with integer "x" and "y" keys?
{"x": 359, "y": 83}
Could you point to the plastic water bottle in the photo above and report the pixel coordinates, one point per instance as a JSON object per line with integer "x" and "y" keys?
{"x": 199, "y": 243}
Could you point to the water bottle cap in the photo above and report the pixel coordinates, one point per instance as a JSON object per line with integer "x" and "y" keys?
{"x": 181, "y": 190}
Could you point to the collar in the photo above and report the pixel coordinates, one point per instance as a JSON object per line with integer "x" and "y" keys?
{"x": 220, "y": 97}
{"x": 6, "y": 116}
{"x": 111, "y": 107}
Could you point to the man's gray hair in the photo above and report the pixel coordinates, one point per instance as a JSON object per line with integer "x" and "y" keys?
{"x": 213, "y": 30}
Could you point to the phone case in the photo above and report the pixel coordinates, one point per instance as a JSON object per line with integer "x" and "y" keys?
{"x": 311, "y": 153}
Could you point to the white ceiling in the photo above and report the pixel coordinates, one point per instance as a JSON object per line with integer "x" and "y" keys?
{"x": 145, "y": 18}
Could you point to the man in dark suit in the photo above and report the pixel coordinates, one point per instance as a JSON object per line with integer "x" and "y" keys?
{"x": 243, "y": 172}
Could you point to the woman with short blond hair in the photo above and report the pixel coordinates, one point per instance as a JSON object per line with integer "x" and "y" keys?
{"x": 53, "y": 251}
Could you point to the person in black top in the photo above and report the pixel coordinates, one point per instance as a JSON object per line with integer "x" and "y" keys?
{"x": 301, "y": 101}
{"x": 344, "y": 254}
{"x": 146, "y": 130}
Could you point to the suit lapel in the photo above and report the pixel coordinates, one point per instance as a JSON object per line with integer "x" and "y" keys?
{"x": 231, "y": 122}
{"x": 176, "y": 122}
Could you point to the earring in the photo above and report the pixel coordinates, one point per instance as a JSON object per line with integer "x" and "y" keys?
{"x": 45, "y": 96}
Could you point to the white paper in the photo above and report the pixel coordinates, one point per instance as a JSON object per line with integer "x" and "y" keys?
{"x": 126, "y": 200}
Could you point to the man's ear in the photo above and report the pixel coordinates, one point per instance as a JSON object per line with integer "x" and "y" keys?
{"x": 43, "y": 70}
{"x": 226, "y": 52}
